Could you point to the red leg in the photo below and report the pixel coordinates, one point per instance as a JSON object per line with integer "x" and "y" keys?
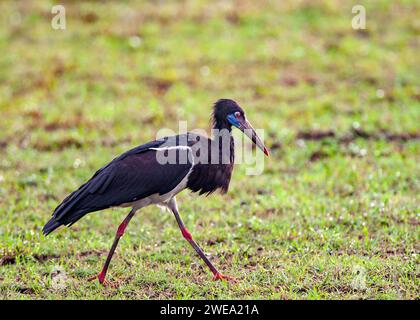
{"x": 187, "y": 235}
{"x": 120, "y": 231}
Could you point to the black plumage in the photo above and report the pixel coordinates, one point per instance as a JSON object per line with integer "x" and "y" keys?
{"x": 206, "y": 178}
{"x": 132, "y": 176}
{"x": 138, "y": 177}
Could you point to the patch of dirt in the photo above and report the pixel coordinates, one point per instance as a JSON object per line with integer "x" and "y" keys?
{"x": 358, "y": 133}
{"x": 25, "y": 290}
{"x": 89, "y": 17}
{"x": 266, "y": 212}
{"x": 212, "y": 242}
{"x": 112, "y": 142}
{"x": 289, "y": 81}
{"x": 58, "y": 145}
{"x": 224, "y": 257}
{"x": 317, "y": 155}
{"x": 34, "y": 114}
{"x": 263, "y": 191}
{"x": 414, "y": 222}
{"x": 7, "y": 259}
{"x": 45, "y": 257}
{"x": 381, "y": 135}
{"x": 315, "y": 135}
{"x": 401, "y": 136}
{"x": 90, "y": 253}
{"x": 48, "y": 196}
{"x": 38, "y": 122}
{"x": 10, "y": 258}
{"x": 233, "y": 18}
{"x": 363, "y": 33}
{"x": 339, "y": 289}
{"x": 275, "y": 145}
{"x": 159, "y": 86}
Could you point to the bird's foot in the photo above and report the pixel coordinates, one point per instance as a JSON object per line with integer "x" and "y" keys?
{"x": 219, "y": 276}
{"x": 101, "y": 278}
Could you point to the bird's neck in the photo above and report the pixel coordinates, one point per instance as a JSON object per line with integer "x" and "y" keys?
{"x": 222, "y": 132}
{"x": 225, "y": 143}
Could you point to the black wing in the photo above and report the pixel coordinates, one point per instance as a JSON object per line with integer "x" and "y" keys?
{"x": 134, "y": 175}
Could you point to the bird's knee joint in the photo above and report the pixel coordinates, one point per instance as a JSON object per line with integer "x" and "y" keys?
{"x": 121, "y": 229}
{"x": 186, "y": 234}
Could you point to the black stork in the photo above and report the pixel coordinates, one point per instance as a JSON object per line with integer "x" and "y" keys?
{"x": 155, "y": 172}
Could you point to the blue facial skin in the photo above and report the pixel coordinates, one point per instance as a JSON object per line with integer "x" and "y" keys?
{"x": 233, "y": 121}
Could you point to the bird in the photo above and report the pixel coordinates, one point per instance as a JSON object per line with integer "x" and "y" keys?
{"x": 155, "y": 172}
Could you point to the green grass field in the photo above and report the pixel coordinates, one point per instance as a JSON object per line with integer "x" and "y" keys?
{"x": 334, "y": 215}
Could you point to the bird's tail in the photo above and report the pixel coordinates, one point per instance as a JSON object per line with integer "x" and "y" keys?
{"x": 50, "y": 226}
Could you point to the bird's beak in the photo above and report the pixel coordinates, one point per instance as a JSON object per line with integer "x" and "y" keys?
{"x": 247, "y": 128}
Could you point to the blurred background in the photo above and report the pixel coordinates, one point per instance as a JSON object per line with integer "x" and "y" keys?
{"x": 335, "y": 213}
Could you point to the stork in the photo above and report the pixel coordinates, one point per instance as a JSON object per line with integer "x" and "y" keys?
{"x": 154, "y": 173}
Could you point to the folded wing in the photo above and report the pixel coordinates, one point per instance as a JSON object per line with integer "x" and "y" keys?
{"x": 134, "y": 175}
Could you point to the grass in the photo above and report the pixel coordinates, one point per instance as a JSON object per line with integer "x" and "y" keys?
{"x": 335, "y": 214}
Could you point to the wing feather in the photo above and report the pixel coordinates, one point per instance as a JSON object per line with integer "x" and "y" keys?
{"x": 132, "y": 176}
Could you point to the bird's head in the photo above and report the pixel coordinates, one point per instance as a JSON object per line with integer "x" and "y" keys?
{"x": 228, "y": 113}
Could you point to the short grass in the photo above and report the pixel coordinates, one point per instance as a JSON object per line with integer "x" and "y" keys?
{"x": 335, "y": 214}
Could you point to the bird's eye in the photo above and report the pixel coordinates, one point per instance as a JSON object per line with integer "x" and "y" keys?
{"x": 237, "y": 114}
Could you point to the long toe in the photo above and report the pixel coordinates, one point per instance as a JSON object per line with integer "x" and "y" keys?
{"x": 219, "y": 276}
{"x": 95, "y": 277}
{"x": 101, "y": 280}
